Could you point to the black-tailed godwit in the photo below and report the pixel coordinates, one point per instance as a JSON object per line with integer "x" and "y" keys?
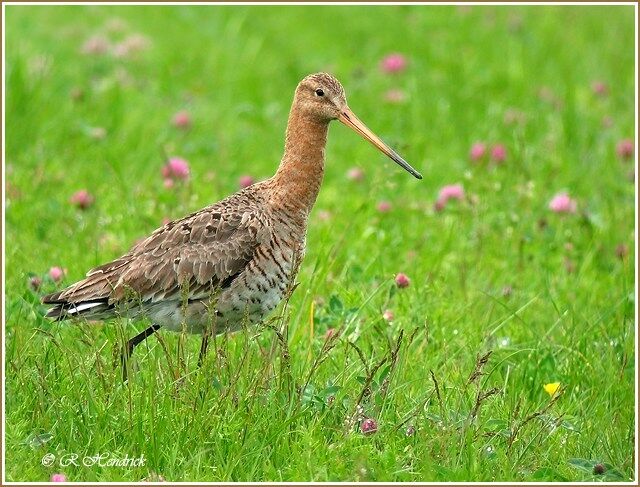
{"x": 231, "y": 261}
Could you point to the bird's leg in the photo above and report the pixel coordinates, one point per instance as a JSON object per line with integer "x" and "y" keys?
{"x": 203, "y": 347}
{"x": 130, "y": 345}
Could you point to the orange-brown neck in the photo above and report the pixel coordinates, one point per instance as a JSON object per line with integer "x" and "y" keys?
{"x": 298, "y": 179}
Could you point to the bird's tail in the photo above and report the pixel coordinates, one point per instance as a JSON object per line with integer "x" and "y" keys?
{"x": 63, "y": 309}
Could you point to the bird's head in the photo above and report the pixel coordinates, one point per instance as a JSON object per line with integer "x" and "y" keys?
{"x": 320, "y": 96}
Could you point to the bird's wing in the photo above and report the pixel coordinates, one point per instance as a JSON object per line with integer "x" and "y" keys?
{"x": 193, "y": 255}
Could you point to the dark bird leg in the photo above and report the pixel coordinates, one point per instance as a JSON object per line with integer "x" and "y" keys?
{"x": 203, "y": 347}
{"x": 131, "y": 344}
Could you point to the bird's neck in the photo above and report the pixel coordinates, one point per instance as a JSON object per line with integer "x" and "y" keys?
{"x": 298, "y": 179}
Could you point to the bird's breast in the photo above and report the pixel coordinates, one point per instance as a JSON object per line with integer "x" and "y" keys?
{"x": 259, "y": 289}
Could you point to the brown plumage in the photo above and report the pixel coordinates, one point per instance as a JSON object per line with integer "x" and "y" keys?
{"x": 232, "y": 260}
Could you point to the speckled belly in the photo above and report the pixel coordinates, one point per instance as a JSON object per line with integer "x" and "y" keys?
{"x": 254, "y": 294}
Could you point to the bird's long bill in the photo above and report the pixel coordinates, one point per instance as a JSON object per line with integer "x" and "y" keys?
{"x": 348, "y": 118}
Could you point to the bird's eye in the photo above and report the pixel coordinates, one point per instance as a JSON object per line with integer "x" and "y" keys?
{"x": 319, "y": 92}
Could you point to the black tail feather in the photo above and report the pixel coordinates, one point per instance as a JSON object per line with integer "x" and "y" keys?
{"x": 63, "y": 310}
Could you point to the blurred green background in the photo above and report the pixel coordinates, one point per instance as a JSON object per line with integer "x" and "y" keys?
{"x": 90, "y": 96}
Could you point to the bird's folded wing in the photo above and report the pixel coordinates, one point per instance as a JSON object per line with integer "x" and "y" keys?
{"x": 188, "y": 258}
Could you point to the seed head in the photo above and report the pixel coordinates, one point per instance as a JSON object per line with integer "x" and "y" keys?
{"x": 329, "y": 333}
{"x": 395, "y": 96}
{"x": 498, "y": 153}
{"x": 35, "y": 282}
{"x": 402, "y": 280}
{"x": 599, "y": 469}
{"x": 393, "y": 63}
{"x": 56, "y": 274}
{"x": 451, "y": 192}
{"x": 384, "y": 207}
{"x": 182, "y": 120}
{"x": 355, "y": 174}
{"x": 600, "y": 88}
{"x": 562, "y": 203}
{"x": 625, "y": 149}
{"x": 245, "y": 181}
{"x": 82, "y": 199}
{"x": 622, "y": 250}
{"x": 478, "y": 151}
{"x": 368, "y": 426}
{"x": 176, "y": 168}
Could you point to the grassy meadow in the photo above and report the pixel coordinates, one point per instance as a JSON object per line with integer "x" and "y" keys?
{"x": 509, "y": 356}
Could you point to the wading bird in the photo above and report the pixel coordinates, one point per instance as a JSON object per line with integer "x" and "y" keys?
{"x": 231, "y": 261}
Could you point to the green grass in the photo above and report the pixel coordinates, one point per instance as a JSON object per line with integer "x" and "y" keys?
{"x": 246, "y": 416}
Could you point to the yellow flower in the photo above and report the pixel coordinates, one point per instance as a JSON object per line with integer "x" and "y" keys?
{"x": 552, "y": 388}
